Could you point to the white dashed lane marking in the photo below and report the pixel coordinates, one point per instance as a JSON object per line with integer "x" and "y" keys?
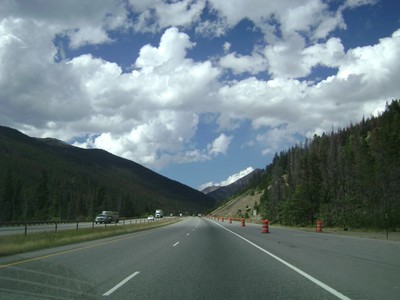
{"x": 109, "y": 292}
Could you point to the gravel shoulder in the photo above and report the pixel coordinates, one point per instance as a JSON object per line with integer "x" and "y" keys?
{"x": 247, "y": 201}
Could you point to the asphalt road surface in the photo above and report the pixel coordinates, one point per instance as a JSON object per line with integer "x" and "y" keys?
{"x": 199, "y": 258}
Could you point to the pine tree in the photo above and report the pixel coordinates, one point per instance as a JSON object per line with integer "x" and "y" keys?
{"x": 42, "y": 198}
{"x": 6, "y": 201}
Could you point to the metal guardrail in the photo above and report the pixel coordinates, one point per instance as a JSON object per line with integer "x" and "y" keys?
{"x": 34, "y": 224}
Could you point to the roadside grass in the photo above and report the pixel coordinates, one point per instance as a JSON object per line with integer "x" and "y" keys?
{"x": 369, "y": 233}
{"x": 392, "y": 235}
{"x": 19, "y": 243}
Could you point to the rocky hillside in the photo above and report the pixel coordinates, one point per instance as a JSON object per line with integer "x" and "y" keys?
{"x": 241, "y": 206}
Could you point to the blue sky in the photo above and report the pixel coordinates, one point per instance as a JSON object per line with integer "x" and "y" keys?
{"x": 199, "y": 91}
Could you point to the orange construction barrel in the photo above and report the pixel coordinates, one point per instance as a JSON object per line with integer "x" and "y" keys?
{"x": 319, "y": 226}
{"x": 265, "y": 227}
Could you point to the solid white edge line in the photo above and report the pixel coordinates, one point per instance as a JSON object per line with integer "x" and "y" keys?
{"x": 120, "y": 284}
{"x": 175, "y": 244}
{"x": 302, "y": 273}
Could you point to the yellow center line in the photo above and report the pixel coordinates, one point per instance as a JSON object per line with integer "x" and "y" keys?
{"x": 65, "y": 252}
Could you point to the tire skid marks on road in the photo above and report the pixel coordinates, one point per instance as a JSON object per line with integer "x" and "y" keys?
{"x": 44, "y": 280}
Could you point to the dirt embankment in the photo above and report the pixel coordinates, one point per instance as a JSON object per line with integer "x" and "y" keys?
{"x": 241, "y": 206}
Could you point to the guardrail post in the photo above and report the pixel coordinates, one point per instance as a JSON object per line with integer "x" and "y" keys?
{"x": 26, "y": 228}
{"x": 387, "y": 226}
{"x": 55, "y": 226}
{"x": 77, "y": 225}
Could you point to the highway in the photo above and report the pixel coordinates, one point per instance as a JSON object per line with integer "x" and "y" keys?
{"x": 199, "y": 258}
{"x": 51, "y": 227}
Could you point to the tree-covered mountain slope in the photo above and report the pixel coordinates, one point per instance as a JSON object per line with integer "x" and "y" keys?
{"x": 49, "y": 179}
{"x": 347, "y": 178}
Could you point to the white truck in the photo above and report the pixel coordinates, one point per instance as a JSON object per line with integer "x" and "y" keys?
{"x": 159, "y": 213}
{"x": 107, "y": 216}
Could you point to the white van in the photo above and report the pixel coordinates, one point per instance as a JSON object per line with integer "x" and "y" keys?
{"x": 107, "y": 216}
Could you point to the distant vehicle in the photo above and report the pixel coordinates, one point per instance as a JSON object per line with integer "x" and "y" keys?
{"x": 107, "y": 216}
{"x": 150, "y": 218}
{"x": 159, "y": 213}
{"x": 101, "y": 219}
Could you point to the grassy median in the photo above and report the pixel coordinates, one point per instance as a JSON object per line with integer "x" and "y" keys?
{"x": 19, "y": 243}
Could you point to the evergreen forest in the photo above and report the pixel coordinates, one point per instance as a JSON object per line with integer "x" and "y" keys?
{"x": 47, "y": 179}
{"x": 349, "y": 178}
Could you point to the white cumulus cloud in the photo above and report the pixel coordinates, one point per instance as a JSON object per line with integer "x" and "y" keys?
{"x": 54, "y": 81}
{"x": 220, "y": 145}
{"x": 231, "y": 179}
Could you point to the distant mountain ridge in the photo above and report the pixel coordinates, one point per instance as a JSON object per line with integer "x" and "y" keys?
{"x": 50, "y": 179}
{"x": 210, "y": 189}
{"x": 221, "y": 193}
